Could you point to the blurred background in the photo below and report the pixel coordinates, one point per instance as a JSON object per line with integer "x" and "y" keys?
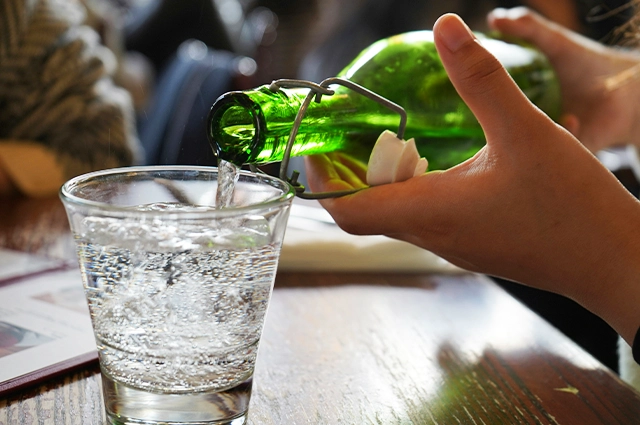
{"x": 177, "y": 57}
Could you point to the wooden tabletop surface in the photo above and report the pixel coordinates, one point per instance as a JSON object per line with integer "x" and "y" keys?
{"x": 364, "y": 348}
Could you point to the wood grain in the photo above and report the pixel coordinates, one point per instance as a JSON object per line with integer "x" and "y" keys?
{"x": 71, "y": 400}
{"x": 362, "y": 348}
{"x": 461, "y": 351}
{"x": 457, "y": 350}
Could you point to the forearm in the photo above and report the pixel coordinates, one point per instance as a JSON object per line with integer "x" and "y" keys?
{"x": 30, "y": 168}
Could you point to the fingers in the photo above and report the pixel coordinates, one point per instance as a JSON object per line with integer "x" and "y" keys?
{"x": 334, "y": 171}
{"x": 322, "y": 174}
{"x": 350, "y": 169}
{"x": 370, "y": 211}
{"x": 348, "y": 175}
{"x": 521, "y": 22}
{"x": 482, "y": 82}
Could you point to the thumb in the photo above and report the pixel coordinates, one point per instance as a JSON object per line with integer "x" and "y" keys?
{"x": 481, "y": 80}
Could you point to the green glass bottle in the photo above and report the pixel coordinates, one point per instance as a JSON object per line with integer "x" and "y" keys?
{"x": 253, "y": 126}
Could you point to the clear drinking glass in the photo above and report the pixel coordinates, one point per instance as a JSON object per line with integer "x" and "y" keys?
{"x": 177, "y": 289}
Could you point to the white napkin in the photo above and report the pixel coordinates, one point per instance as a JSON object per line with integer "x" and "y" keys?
{"x": 314, "y": 242}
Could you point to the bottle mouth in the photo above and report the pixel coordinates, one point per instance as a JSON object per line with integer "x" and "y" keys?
{"x": 234, "y": 125}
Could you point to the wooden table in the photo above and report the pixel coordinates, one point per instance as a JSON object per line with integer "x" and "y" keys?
{"x": 369, "y": 349}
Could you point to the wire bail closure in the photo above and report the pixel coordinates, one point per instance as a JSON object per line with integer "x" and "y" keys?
{"x": 317, "y": 91}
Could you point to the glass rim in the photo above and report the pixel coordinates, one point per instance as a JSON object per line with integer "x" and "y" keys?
{"x": 288, "y": 192}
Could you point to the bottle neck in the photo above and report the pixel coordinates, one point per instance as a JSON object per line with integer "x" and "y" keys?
{"x": 234, "y": 127}
{"x": 253, "y": 126}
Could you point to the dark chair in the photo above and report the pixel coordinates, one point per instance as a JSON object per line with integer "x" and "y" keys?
{"x": 173, "y": 128}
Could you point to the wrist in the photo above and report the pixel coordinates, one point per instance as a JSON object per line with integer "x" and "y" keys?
{"x": 622, "y": 308}
{"x": 616, "y": 289}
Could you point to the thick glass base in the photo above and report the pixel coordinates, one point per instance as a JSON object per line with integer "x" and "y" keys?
{"x": 130, "y": 406}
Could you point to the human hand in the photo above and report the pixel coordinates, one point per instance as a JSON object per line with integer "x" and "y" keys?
{"x": 533, "y": 205}
{"x": 600, "y": 108}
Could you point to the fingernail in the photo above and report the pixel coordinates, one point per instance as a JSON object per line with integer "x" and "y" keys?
{"x": 512, "y": 14}
{"x": 499, "y": 13}
{"x": 453, "y": 32}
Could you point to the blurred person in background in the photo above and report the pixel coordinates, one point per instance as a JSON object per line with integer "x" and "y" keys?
{"x": 61, "y": 114}
{"x": 342, "y": 29}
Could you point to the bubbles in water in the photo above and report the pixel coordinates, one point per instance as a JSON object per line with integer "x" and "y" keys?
{"x": 178, "y": 306}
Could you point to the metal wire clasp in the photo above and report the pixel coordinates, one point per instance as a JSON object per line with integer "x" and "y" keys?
{"x": 317, "y": 91}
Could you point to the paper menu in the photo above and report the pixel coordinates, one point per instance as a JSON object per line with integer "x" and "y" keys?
{"x": 45, "y": 328}
{"x": 16, "y": 264}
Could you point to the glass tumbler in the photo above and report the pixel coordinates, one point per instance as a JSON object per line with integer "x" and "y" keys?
{"x": 177, "y": 288}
